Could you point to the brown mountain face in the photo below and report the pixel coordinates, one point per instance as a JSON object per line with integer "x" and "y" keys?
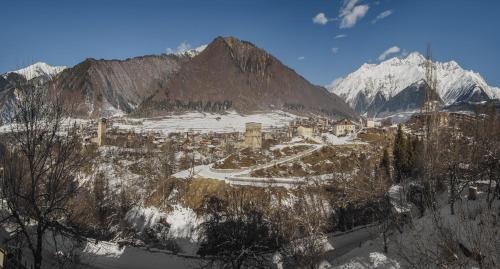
{"x": 97, "y": 87}
{"x": 234, "y": 74}
{"x": 228, "y": 74}
{"x": 8, "y": 83}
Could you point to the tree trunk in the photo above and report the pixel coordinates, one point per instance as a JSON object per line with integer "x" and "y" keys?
{"x": 385, "y": 241}
{"x": 452, "y": 194}
{"x": 38, "y": 252}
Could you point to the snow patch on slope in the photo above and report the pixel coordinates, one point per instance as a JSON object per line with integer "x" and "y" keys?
{"x": 205, "y": 122}
{"x": 39, "y": 69}
{"x": 183, "y": 221}
{"x": 192, "y": 52}
{"x": 496, "y": 92}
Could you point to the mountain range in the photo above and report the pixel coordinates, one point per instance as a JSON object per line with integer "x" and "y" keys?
{"x": 231, "y": 74}
{"x": 385, "y": 88}
{"x": 227, "y": 74}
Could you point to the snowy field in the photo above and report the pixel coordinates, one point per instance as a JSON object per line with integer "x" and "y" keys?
{"x": 205, "y": 122}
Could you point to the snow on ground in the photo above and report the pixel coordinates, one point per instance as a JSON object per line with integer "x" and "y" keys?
{"x": 398, "y": 199}
{"x": 114, "y": 169}
{"x": 132, "y": 257}
{"x": 206, "y": 122}
{"x": 183, "y": 222}
{"x": 141, "y": 218}
{"x": 467, "y": 227}
{"x": 109, "y": 111}
{"x": 287, "y": 145}
{"x": 104, "y": 249}
{"x": 341, "y": 140}
{"x": 206, "y": 171}
{"x": 241, "y": 177}
{"x": 370, "y": 256}
{"x": 332, "y": 139}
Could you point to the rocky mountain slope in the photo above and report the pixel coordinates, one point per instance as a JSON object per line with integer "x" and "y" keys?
{"x": 409, "y": 99}
{"x": 8, "y": 84}
{"x": 227, "y": 74}
{"x": 367, "y": 86}
{"x": 114, "y": 87}
{"x": 36, "y": 73}
{"x": 234, "y": 74}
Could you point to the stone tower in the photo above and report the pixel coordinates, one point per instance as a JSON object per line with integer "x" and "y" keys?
{"x": 253, "y": 135}
{"x": 101, "y": 132}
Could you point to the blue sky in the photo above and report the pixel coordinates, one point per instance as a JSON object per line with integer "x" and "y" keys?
{"x": 319, "y": 47}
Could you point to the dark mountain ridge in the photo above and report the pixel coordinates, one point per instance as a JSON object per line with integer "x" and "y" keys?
{"x": 234, "y": 74}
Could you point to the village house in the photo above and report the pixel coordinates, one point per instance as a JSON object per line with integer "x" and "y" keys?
{"x": 372, "y": 124}
{"x": 304, "y": 131}
{"x": 344, "y": 127}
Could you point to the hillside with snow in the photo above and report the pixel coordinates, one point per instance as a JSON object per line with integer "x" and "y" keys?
{"x": 192, "y": 52}
{"x": 385, "y": 80}
{"x": 39, "y": 69}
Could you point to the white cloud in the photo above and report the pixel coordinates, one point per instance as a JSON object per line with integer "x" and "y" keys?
{"x": 340, "y": 36}
{"x": 183, "y": 47}
{"x": 301, "y": 58}
{"x": 347, "y": 7}
{"x": 350, "y": 13}
{"x": 320, "y": 19}
{"x": 382, "y": 16}
{"x": 389, "y": 51}
{"x": 335, "y": 50}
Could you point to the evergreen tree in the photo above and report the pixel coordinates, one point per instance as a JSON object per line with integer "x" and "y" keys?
{"x": 410, "y": 157}
{"x": 414, "y": 153}
{"x": 385, "y": 163}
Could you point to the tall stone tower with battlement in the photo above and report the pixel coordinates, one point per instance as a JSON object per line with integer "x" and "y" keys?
{"x": 253, "y": 135}
{"x": 101, "y": 132}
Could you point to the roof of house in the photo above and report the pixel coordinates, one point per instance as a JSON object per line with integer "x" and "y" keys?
{"x": 344, "y": 122}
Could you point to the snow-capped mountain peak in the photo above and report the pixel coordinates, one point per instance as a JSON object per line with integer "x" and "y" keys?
{"x": 393, "y": 75}
{"x": 192, "y": 52}
{"x": 415, "y": 57}
{"x": 39, "y": 69}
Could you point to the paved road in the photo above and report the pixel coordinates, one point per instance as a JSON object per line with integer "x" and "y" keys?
{"x": 205, "y": 171}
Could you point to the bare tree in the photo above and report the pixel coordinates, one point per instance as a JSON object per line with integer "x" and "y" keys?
{"x": 39, "y": 169}
{"x": 304, "y": 229}
{"x": 465, "y": 235}
{"x": 236, "y": 236}
{"x": 168, "y": 160}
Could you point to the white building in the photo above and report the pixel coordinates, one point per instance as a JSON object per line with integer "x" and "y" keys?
{"x": 344, "y": 127}
{"x": 304, "y": 131}
{"x": 372, "y": 124}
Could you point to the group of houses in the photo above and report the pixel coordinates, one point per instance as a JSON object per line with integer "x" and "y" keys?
{"x": 254, "y": 136}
